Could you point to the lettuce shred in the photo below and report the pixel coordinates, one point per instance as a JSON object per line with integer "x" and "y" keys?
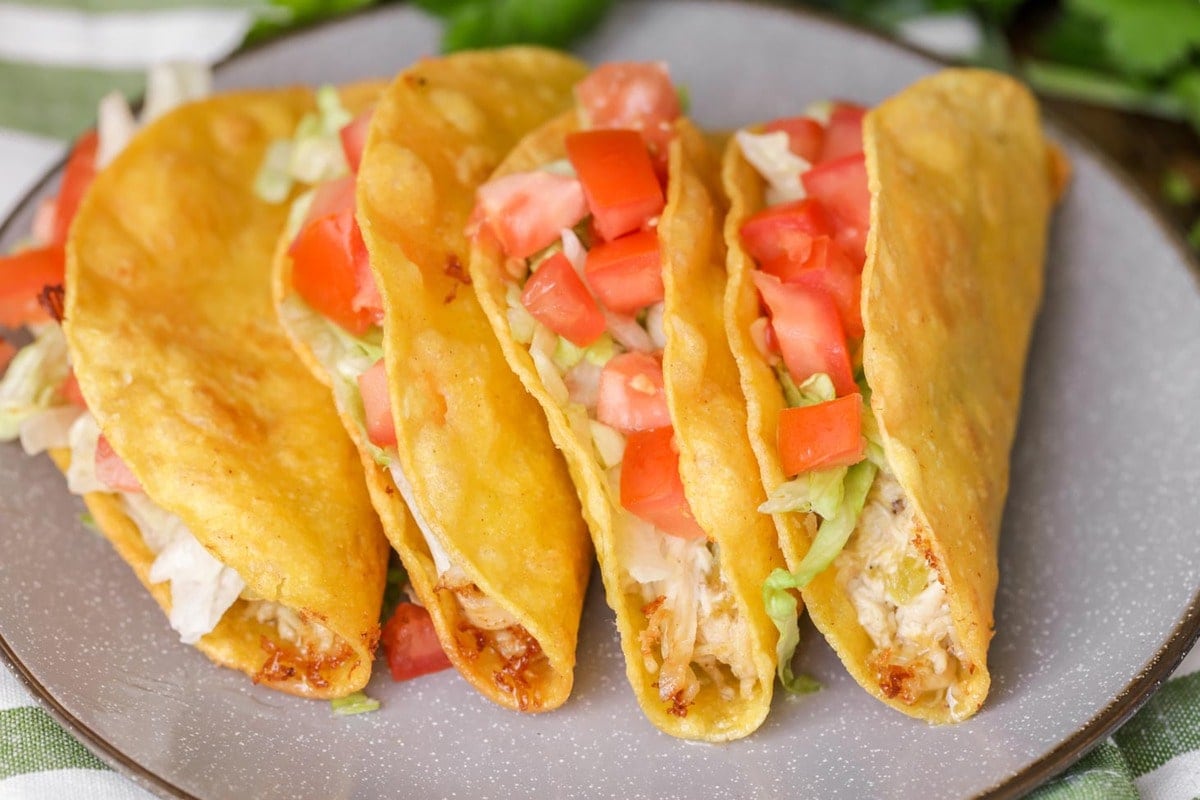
{"x": 357, "y": 703}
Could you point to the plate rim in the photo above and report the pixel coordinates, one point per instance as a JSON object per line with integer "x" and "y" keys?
{"x": 1158, "y": 668}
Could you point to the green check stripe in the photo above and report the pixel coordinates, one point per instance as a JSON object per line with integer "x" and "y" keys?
{"x": 1102, "y": 774}
{"x": 1166, "y": 727}
{"x": 58, "y": 101}
{"x": 31, "y": 741}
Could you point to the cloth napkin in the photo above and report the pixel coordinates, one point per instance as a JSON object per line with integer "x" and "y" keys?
{"x": 57, "y": 59}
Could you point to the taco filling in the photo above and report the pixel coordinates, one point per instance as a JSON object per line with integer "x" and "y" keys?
{"x": 337, "y": 311}
{"x": 809, "y": 248}
{"x": 585, "y": 297}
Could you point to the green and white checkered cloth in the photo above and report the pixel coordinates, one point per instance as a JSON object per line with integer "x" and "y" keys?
{"x": 57, "y": 58}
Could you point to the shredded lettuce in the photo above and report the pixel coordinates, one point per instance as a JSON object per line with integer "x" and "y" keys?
{"x": 820, "y": 490}
{"x": 313, "y": 155}
{"x": 520, "y": 321}
{"x": 771, "y": 156}
{"x": 831, "y": 538}
{"x": 115, "y": 126}
{"x": 171, "y": 85}
{"x": 31, "y": 383}
{"x": 273, "y": 183}
{"x": 567, "y": 354}
{"x": 393, "y": 590}
{"x": 357, "y": 703}
{"x": 817, "y": 389}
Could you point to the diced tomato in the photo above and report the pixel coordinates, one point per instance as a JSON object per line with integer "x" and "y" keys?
{"x": 651, "y": 487}
{"x": 805, "y": 136}
{"x": 69, "y": 390}
{"x": 556, "y": 297}
{"x": 411, "y": 643}
{"x": 809, "y": 330}
{"x": 632, "y": 396}
{"x": 7, "y": 351}
{"x": 377, "y": 405}
{"x": 527, "y": 211}
{"x": 45, "y": 221}
{"x": 77, "y": 177}
{"x": 780, "y": 238}
{"x": 23, "y": 275}
{"x": 844, "y": 135}
{"x": 829, "y": 269}
{"x": 354, "y": 138}
{"x": 330, "y": 198}
{"x": 637, "y": 95}
{"x": 329, "y": 269}
{"x": 821, "y": 436}
{"x": 626, "y": 273}
{"x": 112, "y": 471}
{"x": 841, "y": 186}
{"x": 622, "y": 190}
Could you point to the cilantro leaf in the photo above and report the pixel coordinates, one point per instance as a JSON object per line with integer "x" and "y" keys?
{"x": 490, "y": 23}
{"x": 1146, "y": 37}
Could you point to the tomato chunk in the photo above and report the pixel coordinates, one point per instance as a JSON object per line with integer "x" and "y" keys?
{"x": 821, "y": 436}
{"x": 411, "y": 643}
{"x": 841, "y": 186}
{"x": 828, "y": 269}
{"x": 780, "y": 238}
{"x": 331, "y": 270}
{"x": 632, "y": 396}
{"x": 354, "y": 138}
{"x": 844, "y": 136}
{"x": 527, "y": 211}
{"x": 651, "y": 487}
{"x": 805, "y": 136}
{"x": 637, "y": 95}
{"x": 77, "y": 177}
{"x": 112, "y": 471}
{"x": 556, "y": 297}
{"x": 69, "y": 390}
{"x": 626, "y": 273}
{"x": 809, "y": 331}
{"x": 622, "y": 189}
{"x": 23, "y": 275}
{"x": 377, "y": 405}
{"x": 330, "y": 198}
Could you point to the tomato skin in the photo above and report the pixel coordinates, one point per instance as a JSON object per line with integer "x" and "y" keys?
{"x": 23, "y": 275}
{"x": 329, "y": 264}
{"x": 112, "y": 471}
{"x": 377, "y": 405}
{"x": 626, "y": 273}
{"x": 527, "y": 211}
{"x": 354, "y": 138}
{"x": 622, "y": 189}
{"x": 632, "y": 396}
{"x": 331, "y": 198}
{"x": 69, "y": 390}
{"x": 805, "y": 136}
{"x": 821, "y": 436}
{"x": 651, "y": 487}
{"x": 556, "y": 297}
{"x": 809, "y": 331}
{"x": 636, "y": 95}
{"x": 780, "y": 237}
{"x": 411, "y": 644}
{"x": 841, "y": 186}
{"x": 77, "y": 177}
{"x": 844, "y": 134}
{"x": 830, "y": 270}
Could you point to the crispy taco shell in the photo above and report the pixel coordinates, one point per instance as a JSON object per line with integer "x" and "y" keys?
{"x": 483, "y": 477}
{"x": 177, "y": 351}
{"x": 962, "y": 182}
{"x": 716, "y": 465}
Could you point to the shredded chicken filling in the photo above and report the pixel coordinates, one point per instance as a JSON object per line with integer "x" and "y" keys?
{"x": 900, "y": 600}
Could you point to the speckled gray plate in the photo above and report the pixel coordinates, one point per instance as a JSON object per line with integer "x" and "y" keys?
{"x": 1100, "y": 554}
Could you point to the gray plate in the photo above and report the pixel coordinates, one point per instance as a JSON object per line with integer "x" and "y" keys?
{"x": 1100, "y": 558}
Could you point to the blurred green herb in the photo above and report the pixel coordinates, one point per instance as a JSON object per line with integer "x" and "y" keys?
{"x": 487, "y": 23}
{"x": 393, "y": 591}
{"x": 278, "y": 15}
{"x": 1193, "y": 236}
{"x": 1178, "y": 189}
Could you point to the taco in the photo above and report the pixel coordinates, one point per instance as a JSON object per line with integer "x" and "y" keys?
{"x": 885, "y": 268}
{"x": 472, "y": 494}
{"x": 210, "y": 458}
{"x": 598, "y": 260}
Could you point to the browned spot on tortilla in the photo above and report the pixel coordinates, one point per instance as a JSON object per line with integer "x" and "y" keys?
{"x": 51, "y": 299}
{"x": 454, "y": 269}
{"x": 679, "y": 707}
{"x": 513, "y": 677}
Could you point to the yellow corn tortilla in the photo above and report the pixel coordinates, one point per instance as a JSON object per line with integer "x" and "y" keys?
{"x": 716, "y": 465}
{"x": 483, "y": 473}
{"x": 179, "y": 355}
{"x": 962, "y": 182}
